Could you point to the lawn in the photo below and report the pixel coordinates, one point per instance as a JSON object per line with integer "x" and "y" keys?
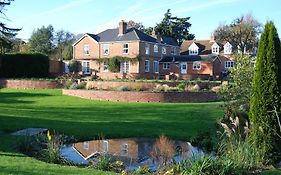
{"x": 87, "y": 119}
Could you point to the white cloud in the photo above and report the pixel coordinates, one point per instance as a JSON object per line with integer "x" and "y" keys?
{"x": 204, "y": 5}
{"x": 66, "y": 6}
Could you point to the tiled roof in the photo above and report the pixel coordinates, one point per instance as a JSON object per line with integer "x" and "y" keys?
{"x": 111, "y": 35}
{"x": 205, "y": 46}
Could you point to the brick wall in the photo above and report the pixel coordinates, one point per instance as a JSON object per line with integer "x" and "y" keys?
{"x": 29, "y": 84}
{"x": 182, "y": 97}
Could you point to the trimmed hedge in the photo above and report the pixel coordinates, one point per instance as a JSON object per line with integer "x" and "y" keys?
{"x": 27, "y": 65}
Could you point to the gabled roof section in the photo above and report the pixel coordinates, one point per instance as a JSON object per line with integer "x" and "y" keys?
{"x": 205, "y": 46}
{"x": 92, "y": 36}
{"x": 227, "y": 44}
{"x": 193, "y": 46}
{"x": 131, "y": 34}
{"x": 215, "y": 45}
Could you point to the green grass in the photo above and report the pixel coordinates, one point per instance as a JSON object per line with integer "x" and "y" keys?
{"x": 272, "y": 172}
{"x": 88, "y": 119}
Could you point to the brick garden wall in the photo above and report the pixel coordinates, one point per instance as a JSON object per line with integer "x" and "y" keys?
{"x": 128, "y": 96}
{"x": 109, "y": 85}
{"x": 29, "y": 84}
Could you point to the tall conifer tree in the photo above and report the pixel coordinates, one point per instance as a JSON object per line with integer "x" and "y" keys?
{"x": 266, "y": 95}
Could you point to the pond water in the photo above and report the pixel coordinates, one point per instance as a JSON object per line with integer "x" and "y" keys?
{"x": 134, "y": 152}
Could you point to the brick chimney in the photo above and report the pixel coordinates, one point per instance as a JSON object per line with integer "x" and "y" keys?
{"x": 122, "y": 28}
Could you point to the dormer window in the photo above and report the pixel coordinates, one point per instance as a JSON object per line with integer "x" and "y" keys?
{"x": 227, "y": 48}
{"x": 215, "y": 48}
{"x": 193, "y": 49}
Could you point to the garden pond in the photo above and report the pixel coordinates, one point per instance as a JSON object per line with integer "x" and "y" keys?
{"x": 133, "y": 152}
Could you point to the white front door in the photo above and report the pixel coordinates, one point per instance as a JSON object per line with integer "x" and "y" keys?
{"x": 184, "y": 68}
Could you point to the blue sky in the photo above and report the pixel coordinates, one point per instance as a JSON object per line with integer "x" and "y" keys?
{"x": 93, "y": 16}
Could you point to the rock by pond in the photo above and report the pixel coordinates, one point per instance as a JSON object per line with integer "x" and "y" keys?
{"x": 133, "y": 152}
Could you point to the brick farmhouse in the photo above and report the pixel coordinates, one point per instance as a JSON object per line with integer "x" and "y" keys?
{"x": 152, "y": 56}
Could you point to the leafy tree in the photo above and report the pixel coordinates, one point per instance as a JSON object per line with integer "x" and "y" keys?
{"x": 237, "y": 93}
{"x": 242, "y": 32}
{"x": 6, "y": 33}
{"x": 41, "y": 40}
{"x": 136, "y": 25}
{"x": 266, "y": 96}
{"x": 175, "y": 27}
{"x": 67, "y": 53}
{"x": 63, "y": 41}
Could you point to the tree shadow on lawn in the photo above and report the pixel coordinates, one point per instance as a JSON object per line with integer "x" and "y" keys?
{"x": 89, "y": 123}
{"x": 11, "y": 97}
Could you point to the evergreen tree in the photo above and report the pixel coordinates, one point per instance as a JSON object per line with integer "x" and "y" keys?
{"x": 6, "y": 33}
{"x": 266, "y": 94}
{"x": 41, "y": 40}
{"x": 175, "y": 27}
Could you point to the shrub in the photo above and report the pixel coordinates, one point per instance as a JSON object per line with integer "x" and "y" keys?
{"x": 143, "y": 170}
{"x": 51, "y": 152}
{"x": 123, "y": 88}
{"x": 24, "y": 65}
{"x": 73, "y": 66}
{"x": 181, "y": 86}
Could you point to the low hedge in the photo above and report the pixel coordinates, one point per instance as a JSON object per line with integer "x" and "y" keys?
{"x": 24, "y": 65}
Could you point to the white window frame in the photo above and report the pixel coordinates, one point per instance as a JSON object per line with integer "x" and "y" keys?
{"x": 174, "y": 51}
{"x": 105, "y": 146}
{"x": 197, "y": 65}
{"x": 147, "y": 49}
{"x": 227, "y": 48}
{"x": 86, "y": 67}
{"x": 155, "y": 48}
{"x": 105, "y": 67}
{"x": 86, "y": 145}
{"x": 105, "y": 48}
{"x": 166, "y": 66}
{"x": 164, "y": 50}
{"x": 146, "y": 65}
{"x": 216, "y": 50}
{"x": 86, "y": 49}
{"x": 193, "y": 49}
{"x": 156, "y": 66}
{"x": 125, "y": 149}
{"x": 126, "y": 48}
{"x": 228, "y": 64}
{"x": 125, "y": 67}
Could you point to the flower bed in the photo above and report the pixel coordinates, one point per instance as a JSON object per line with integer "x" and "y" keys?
{"x": 133, "y": 96}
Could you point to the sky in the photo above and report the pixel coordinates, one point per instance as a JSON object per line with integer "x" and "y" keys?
{"x": 94, "y": 16}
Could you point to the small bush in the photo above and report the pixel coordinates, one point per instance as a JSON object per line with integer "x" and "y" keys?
{"x": 123, "y": 88}
{"x": 142, "y": 170}
{"x": 181, "y": 86}
{"x": 73, "y": 66}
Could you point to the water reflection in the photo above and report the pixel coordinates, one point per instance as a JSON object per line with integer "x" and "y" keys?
{"x": 134, "y": 152}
